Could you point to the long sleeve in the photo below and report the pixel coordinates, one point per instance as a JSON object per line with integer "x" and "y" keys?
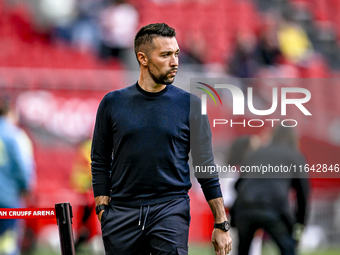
{"x": 201, "y": 150}
{"x": 101, "y": 152}
{"x": 302, "y": 192}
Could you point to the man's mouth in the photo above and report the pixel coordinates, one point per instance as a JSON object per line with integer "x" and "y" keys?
{"x": 173, "y": 72}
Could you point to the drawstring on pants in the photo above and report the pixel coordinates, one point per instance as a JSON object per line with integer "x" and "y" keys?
{"x": 140, "y": 216}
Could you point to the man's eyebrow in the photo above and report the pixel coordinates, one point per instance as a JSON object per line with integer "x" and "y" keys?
{"x": 170, "y": 51}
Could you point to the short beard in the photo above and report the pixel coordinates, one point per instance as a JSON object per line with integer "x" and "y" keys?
{"x": 161, "y": 78}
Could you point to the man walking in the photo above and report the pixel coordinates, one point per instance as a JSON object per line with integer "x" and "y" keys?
{"x": 140, "y": 148}
{"x": 265, "y": 203}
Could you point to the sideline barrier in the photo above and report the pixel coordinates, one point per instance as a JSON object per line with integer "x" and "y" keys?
{"x": 62, "y": 212}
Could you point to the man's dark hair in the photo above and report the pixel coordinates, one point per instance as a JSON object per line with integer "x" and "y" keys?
{"x": 285, "y": 136}
{"x": 144, "y": 37}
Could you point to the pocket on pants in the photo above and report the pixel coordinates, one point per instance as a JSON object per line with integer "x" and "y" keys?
{"x": 104, "y": 215}
{"x": 188, "y": 206}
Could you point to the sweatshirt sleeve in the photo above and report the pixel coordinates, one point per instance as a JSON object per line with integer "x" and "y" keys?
{"x": 101, "y": 151}
{"x": 201, "y": 150}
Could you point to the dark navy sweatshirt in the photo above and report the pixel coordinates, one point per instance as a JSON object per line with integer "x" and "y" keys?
{"x": 141, "y": 144}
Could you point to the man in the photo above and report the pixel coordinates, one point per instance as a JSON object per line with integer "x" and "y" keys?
{"x": 263, "y": 203}
{"x": 16, "y": 173}
{"x": 140, "y": 157}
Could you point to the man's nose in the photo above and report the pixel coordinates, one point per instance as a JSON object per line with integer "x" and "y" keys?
{"x": 174, "y": 60}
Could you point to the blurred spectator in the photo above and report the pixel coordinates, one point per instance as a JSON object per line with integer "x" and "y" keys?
{"x": 16, "y": 173}
{"x": 193, "y": 50}
{"x": 268, "y": 50}
{"x": 255, "y": 54}
{"x": 60, "y": 15}
{"x": 119, "y": 23}
{"x": 85, "y": 32}
{"x": 244, "y": 64}
{"x": 264, "y": 203}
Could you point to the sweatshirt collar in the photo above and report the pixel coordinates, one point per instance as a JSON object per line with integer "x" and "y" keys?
{"x": 152, "y": 94}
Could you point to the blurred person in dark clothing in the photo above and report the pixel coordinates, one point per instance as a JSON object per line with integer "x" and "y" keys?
{"x": 268, "y": 52}
{"x": 240, "y": 147}
{"x": 268, "y": 49}
{"x": 85, "y": 29}
{"x": 244, "y": 64}
{"x": 263, "y": 203}
{"x": 238, "y": 150}
{"x": 16, "y": 172}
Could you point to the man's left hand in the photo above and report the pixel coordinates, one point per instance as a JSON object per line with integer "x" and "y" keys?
{"x": 221, "y": 241}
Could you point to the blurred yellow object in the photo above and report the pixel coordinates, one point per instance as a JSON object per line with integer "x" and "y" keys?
{"x": 81, "y": 179}
{"x": 85, "y": 150}
{"x": 8, "y": 242}
{"x": 294, "y": 43}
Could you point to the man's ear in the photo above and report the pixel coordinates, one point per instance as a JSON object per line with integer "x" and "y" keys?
{"x": 142, "y": 58}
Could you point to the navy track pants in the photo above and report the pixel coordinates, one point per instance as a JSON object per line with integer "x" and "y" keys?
{"x": 160, "y": 229}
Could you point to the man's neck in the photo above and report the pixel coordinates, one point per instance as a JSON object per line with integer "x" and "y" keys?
{"x": 149, "y": 85}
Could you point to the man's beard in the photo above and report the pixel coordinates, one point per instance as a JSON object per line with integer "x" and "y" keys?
{"x": 161, "y": 78}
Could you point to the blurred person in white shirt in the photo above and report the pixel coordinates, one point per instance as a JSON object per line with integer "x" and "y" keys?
{"x": 119, "y": 23}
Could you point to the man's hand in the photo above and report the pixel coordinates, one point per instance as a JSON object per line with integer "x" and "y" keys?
{"x": 100, "y": 215}
{"x": 101, "y": 200}
{"x": 221, "y": 241}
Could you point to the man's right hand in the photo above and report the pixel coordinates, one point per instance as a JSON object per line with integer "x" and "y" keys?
{"x": 101, "y": 200}
{"x": 100, "y": 215}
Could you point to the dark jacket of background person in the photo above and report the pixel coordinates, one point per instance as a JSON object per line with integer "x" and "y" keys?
{"x": 273, "y": 193}
{"x": 265, "y": 202}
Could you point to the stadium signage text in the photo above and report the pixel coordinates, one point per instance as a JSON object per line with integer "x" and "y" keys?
{"x": 16, "y": 213}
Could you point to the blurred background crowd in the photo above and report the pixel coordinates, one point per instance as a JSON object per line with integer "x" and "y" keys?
{"x": 58, "y": 58}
